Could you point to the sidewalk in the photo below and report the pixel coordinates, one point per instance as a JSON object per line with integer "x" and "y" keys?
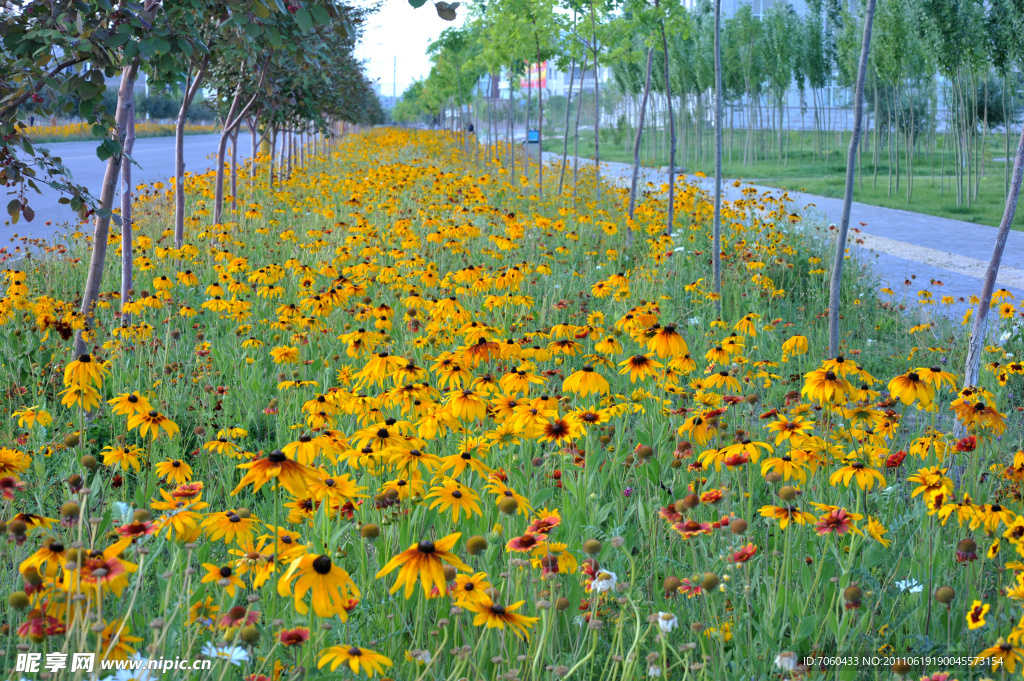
{"x": 898, "y": 245}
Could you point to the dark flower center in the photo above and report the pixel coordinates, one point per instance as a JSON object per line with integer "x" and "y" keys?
{"x": 426, "y": 547}
{"x": 225, "y": 571}
{"x": 322, "y": 564}
{"x": 277, "y": 456}
{"x": 498, "y": 609}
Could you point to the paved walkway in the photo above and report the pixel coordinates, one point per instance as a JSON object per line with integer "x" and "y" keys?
{"x": 898, "y": 245}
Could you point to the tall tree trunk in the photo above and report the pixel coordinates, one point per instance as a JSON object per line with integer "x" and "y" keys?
{"x": 126, "y": 203}
{"x": 565, "y": 138}
{"x": 540, "y": 114}
{"x": 636, "y": 142}
{"x": 597, "y": 101}
{"x": 716, "y": 230}
{"x": 576, "y": 133}
{"x": 529, "y": 102}
{"x": 1006, "y": 139}
{"x": 511, "y": 141}
{"x": 102, "y": 227}
{"x": 844, "y": 223}
{"x": 977, "y": 340}
{"x": 179, "y": 154}
{"x": 234, "y": 169}
{"x": 271, "y": 175}
{"x": 232, "y": 121}
{"x": 251, "y": 123}
{"x": 670, "y": 220}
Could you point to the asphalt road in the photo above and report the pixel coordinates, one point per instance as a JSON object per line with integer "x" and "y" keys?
{"x": 155, "y": 162}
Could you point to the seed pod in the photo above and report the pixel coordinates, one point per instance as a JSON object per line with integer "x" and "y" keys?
{"x": 476, "y": 545}
{"x": 710, "y": 581}
{"x": 369, "y": 531}
{"x": 788, "y": 493}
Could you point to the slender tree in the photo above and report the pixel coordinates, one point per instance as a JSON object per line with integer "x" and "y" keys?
{"x": 835, "y": 284}
{"x": 980, "y": 323}
{"x": 716, "y": 230}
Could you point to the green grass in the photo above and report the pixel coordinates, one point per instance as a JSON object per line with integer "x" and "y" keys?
{"x": 826, "y": 176}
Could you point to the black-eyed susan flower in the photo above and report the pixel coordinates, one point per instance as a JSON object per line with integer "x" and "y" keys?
{"x": 586, "y": 382}
{"x": 470, "y": 588}
{"x": 911, "y": 387}
{"x": 231, "y": 526}
{"x": 84, "y": 371}
{"x": 151, "y": 423}
{"x": 1003, "y": 655}
{"x": 640, "y": 367}
{"x": 667, "y": 342}
{"x": 30, "y": 417}
{"x": 223, "y": 576}
{"x": 825, "y": 386}
{"x": 467, "y": 405}
{"x": 85, "y": 397}
{"x": 355, "y": 658}
{"x": 931, "y": 481}
{"x": 331, "y": 589}
{"x": 786, "y": 514}
{"x": 129, "y": 404}
{"x": 876, "y": 531}
{"x": 789, "y": 429}
{"x": 124, "y": 456}
{"x": 459, "y": 498}
{"x": 175, "y": 471}
{"x": 424, "y": 560}
{"x": 865, "y": 476}
{"x": 292, "y": 475}
{"x": 494, "y": 616}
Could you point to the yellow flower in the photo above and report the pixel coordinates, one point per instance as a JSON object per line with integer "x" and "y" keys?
{"x": 30, "y": 417}
{"x": 976, "y": 615}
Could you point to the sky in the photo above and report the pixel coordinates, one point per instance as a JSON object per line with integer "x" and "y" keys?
{"x": 399, "y": 31}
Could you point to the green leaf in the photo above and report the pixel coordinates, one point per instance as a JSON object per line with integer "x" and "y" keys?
{"x": 416, "y": 4}
{"x": 253, "y": 30}
{"x": 13, "y": 207}
{"x": 320, "y": 15}
{"x": 273, "y": 36}
{"x": 808, "y": 625}
{"x": 147, "y": 47}
{"x": 304, "y": 19}
{"x": 261, "y": 10}
{"x": 107, "y": 148}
